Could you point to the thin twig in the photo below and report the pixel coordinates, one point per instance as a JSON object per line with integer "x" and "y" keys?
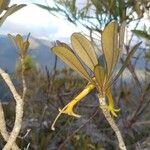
{"x": 23, "y": 79}
{"x": 141, "y": 108}
{"x": 69, "y": 137}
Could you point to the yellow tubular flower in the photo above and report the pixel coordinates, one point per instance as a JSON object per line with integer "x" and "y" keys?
{"x": 68, "y": 109}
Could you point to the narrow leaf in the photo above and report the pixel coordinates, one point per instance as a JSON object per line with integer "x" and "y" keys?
{"x": 70, "y": 59}
{"x": 10, "y": 11}
{"x": 58, "y": 43}
{"x": 42, "y": 6}
{"x": 121, "y": 42}
{"x": 99, "y": 75}
{"x": 142, "y": 34}
{"x": 126, "y": 61}
{"x": 12, "y": 38}
{"x": 84, "y": 49}
{"x": 47, "y": 7}
{"x": 110, "y": 45}
{"x": 19, "y": 41}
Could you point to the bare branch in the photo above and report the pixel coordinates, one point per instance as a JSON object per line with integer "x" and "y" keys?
{"x": 19, "y": 111}
{"x": 3, "y": 129}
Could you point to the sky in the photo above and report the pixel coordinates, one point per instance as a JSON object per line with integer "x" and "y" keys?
{"x": 39, "y": 22}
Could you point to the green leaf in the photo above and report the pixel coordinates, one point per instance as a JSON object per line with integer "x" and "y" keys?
{"x": 12, "y": 38}
{"x": 10, "y": 11}
{"x": 110, "y": 45}
{"x": 42, "y": 6}
{"x": 19, "y": 43}
{"x": 17, "y": 40}
{"x": 63, "y": 44}
{"x": 100, "y": 75}
{"x": 84, "y": 49}
{"x": 47, "y": 7}
{"x": 133, "y": 50}
{"x": 70, "y": 59}
{"x": 50, "y": 9}
{"x": 121, "y": 42}
{"x": 142, "y": 34}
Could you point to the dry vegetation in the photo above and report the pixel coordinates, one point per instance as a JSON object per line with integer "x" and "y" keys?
{"x": 44, "y": 92}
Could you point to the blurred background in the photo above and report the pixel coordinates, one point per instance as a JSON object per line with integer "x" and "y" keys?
{"x": 51, "y": 84}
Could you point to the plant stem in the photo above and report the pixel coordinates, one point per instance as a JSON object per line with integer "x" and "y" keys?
{"x": 111, "y": 121}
